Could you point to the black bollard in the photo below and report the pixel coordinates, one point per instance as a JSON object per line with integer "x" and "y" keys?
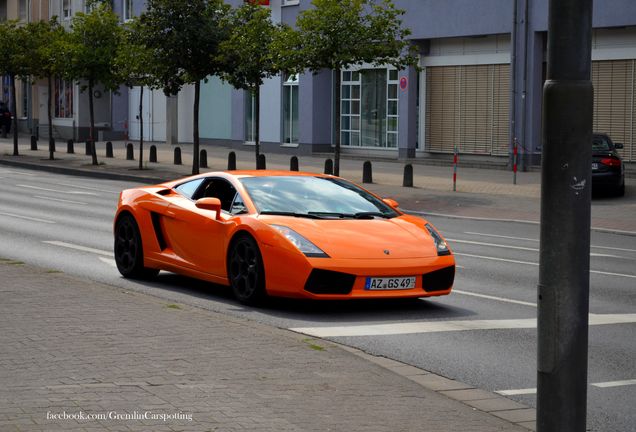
{"x": 231, "y": 161}
{"x": 70, "y": 146}
{"x": 88, "y": 148}
{"x": 367, "y": 176}
{"x": 262, "y": 163}
{"x": 293, "y": 163}
{"x": 177, "y": 156}
{"x": 109, "y": 149}
{"x": 34, "y": 143}
{"x": 408, "y": 176}
{"x": 203, "y": 158}
{"x": 328, "y": 166}
{"x": 130, "y": 152}
{"x": 153, "y": 153}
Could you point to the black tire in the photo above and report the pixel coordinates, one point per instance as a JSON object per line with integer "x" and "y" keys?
{"x": 246, "y": 271}
{"x": 129, "y": 254}
{"x": 621, "y": 190}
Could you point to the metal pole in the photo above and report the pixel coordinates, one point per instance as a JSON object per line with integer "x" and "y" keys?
{"x": 455, "y": 169}
{"x": 564, "y": 262}
{"x": 515, "y": 148}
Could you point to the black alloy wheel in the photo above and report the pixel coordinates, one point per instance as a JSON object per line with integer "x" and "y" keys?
{"x": 245, "y": 270}
{"x": 129, "y": 255}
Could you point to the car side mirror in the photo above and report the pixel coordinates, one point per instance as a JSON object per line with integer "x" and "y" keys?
{"x": 618, "y": 146}
{"x": 391, "y": 202}
{"x": 213, "y": 204}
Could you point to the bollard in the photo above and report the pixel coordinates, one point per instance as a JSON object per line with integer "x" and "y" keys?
{"x": 109, "y": 149}
{"x": 261, "y": 164}
{"x": 177, "y": 156}
{"x": 88, "y": 148}
{"x": 514, "y": 161}
{"x": 408, "y": 176}
{"x": 367, "y": 175}
{"x": 130, "y": 152}
{"x": 70, "y": 146}
{"x": 203, "y": 158}
{"x": 329, "y": 166}
{"x": 34, "y": 143}
{"x": 153, "y": 153}
{"x": 455, "y": 160}
{"x": 231, "y": 161}
{"x": 293, "y": 163}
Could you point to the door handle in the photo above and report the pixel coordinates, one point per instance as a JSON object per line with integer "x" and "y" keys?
{"x": 171, "y": 214}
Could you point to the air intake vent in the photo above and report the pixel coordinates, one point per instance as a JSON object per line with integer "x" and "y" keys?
{"x": 439, "y": 280}
{"x": 329, "y": 282}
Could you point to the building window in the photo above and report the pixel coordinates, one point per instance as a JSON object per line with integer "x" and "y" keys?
{"x": 290, "y": 2}
{"x": 25, "y": 99}
{"x": 128, "y": 10}
{"x": 250, "y": 124}
{"x": 290, "y": 110}
{"x": 66, "y": 9}
{"x": 350, "y": 109}
{"x": 23, "y": 10}
{"x": 63, "y": 99}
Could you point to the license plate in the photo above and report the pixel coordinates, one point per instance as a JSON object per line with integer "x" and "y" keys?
{"x": 594, "y": 166}
{"x": 390, "y": 283}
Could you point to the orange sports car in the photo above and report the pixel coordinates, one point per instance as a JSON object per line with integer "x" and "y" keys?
{"x": 280, "y": 233}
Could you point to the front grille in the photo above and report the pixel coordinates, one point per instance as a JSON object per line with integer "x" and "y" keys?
{"x": 329, "y": 282}
{"x": 439, "y": 280}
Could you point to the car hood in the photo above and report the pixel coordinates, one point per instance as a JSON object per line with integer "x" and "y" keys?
{"x": 363, "y": 238}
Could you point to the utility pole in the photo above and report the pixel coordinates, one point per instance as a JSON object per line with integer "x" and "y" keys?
{"x": 563, "y": 292}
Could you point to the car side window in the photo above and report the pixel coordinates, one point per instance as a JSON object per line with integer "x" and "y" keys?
{"x": 238, "y": 206}
{"x": 188, "y": 189}
{"x": 217, "y": 188}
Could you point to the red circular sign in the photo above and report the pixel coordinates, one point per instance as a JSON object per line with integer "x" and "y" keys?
{"x": 403, "y": 83}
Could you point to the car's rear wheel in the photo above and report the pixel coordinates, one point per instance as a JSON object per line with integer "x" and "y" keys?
{"x": 129, "y": 255}
{"x": 621, "y": 190}
{"x": 245, "y": 270}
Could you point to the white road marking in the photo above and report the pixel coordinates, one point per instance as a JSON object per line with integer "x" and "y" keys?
{"x": 19, "y": 172}
{"x": 111, "y": 262}
{"x": 78, "y": 247}
{"x": 447, "y": 326}
{"x": 470, "y": 217}
{"x": 88, "y": 188}
{"x": 516, "y": 392}
{"x": 489, "y": 297}
{"x": 59, "y": 200}
{"x": 537, "y": 241}
{"x": 27, "y": 218}
{"x": 615, "y": 383}
{"x": 492, "y": 245}
{"x": 57, "y": 190}
{"x": 537, "y": 264}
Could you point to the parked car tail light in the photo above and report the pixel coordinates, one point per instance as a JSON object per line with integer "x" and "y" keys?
{"x": 612, "y": 162}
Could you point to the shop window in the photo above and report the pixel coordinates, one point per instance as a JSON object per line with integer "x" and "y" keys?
{"x": 250, "y": 123}
{"x": 290, "y": 110}
{"x": 63, "y": 98}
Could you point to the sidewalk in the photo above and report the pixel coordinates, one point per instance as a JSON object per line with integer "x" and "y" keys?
{"x": 83, "y": 356}
{"x": 481, "y": 192}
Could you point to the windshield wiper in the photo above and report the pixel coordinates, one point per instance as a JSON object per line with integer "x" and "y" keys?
{"x": 370, "y": 215}
{"x": 293, "y": 214}
{"x": 359, "y": 215}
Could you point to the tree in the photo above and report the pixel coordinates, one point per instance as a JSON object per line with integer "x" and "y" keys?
{"x": 14, "y": 62}
{"x": 251, "y": 54}
{"x": 134, "y": 66}
{"x": 92, "y": 47}
{"x": 338, "y": 34}
{"x": 47, "y": 60}
{"x": 183, "y": 38}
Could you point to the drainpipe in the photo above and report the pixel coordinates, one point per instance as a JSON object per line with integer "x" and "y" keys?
{"x": 513, "y": 84}
{"x": 524, "y": 147}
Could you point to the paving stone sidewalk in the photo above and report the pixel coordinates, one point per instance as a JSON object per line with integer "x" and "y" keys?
{"x": 75, "y": 348}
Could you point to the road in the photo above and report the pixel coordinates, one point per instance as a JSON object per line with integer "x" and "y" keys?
{"x": 484, "y": 334}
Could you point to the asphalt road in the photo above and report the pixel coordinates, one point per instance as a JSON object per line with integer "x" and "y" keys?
{"x": 65, "y": 223}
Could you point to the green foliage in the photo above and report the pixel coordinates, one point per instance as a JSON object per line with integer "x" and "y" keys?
{"x": 46, "y": 55}
{"x": 92, "y": 46}
{"x": 337, "y": 34}
{"x": 134, "y": 59}
{"x": 183, "y": 39}
{"x": 14, "y": 58}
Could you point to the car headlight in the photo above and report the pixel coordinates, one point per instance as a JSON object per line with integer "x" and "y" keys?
{"x": 440, "y": 243}
{"x": 304, "y": 245}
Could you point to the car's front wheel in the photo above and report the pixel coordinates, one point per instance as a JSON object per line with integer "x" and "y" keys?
{"x": 129, "y": 255}
{"x": 245, "y": 270}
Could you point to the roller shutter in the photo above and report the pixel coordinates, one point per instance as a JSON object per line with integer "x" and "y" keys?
{"x": 468, "y": 106}
{"x": 614, "y": 85}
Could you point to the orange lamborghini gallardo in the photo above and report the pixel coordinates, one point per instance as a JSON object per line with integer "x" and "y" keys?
{"x": 280, "y": 233}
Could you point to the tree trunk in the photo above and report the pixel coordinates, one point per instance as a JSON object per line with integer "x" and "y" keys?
{"x": 50, "y": 115}
{"x": 92, "y": 129}
{"x": 336, "y": 155}
{"x": 257, "y": 122}
{"x": 195, "y": 120}
{"x": 15, "y": 117}
{"x": 141, "y": 128}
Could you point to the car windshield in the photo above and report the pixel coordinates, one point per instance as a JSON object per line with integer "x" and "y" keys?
{"x": 600, "y": 143}
{"x": 316, "y": 197}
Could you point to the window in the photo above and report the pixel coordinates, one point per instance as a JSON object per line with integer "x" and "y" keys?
{"x": 66, "y": 9}
{"x": 25, "y": 99}
{"x": 290, "y": 2}
{"x": 63, "y": 98}
{"x": 217, "y": 188}
{"x": 128, "y": 10}
{"x": 290, "y": 110}
{"x": 23, "y": 10}
{"x": 250, "y": 123}
{"x": 350, "y": 109}
{"x": 189, "y": 188}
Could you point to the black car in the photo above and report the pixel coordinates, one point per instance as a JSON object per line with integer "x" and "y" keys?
{"x": 608, "y": 171}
